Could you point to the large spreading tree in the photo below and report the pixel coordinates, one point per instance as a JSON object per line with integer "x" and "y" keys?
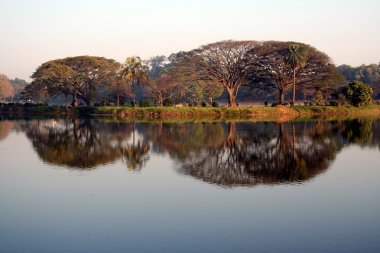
{"x": 269, "y": 67}
{"x": 83, "y": 77}
{"x": 221, "y": 63}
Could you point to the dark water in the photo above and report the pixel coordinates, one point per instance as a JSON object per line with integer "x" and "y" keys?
{"x": 89, "y": 186}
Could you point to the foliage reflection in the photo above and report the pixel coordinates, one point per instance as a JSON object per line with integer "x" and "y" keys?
{"x": 227, "y": 154}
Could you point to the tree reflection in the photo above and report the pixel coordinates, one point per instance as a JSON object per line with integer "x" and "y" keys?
{"x": 6, "y": 127}
{"x": 135, "y": 154}
{"x": 227, "y": 154}
{"x": 79, "y": 144}
{"x": 294, "y": 153}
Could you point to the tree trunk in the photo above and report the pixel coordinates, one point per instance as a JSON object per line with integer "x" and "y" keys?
{"x": 75, "y": 100}
{"x": 118, "y": 100}
{"x": 231, "y": 136}
{"x": 231, "y": 98}
{"x": 294, "y": 87}
{"x": 294, "y": 141}
{"x": 66, "y": 103}
{"x": 281, "y": 96}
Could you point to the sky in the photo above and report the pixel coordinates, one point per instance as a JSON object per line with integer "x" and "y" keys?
{"x": 35, "y": 31}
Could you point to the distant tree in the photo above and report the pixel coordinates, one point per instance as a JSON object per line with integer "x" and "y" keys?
{"x": 358, "y": 93}
{"x": 37, "y": 92}
{"x": 222, "y": 63}
{"x": 6, "y": 89}
{"x": 161, "y": 87}
{"x": 296, "y": 58}
{"x": 157, "y": 65}
{"x": 119, "y": 90}
{"x": 18, "y": 85}
{"x": 134, "y": 72}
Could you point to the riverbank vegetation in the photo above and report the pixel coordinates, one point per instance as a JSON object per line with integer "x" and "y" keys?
{"x": 256, "y": 113}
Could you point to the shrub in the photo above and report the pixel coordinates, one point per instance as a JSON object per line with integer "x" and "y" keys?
{"x": 203, "y": 104}
{"x": 192, "y": 104}
{"x": 145, "y": 103}
{"x": 215, "y": 104}
{"x": 168, "y": 102}
{"x": 342, "y": 99}
{"x": 318, "y": 98}
{"x": 334, "y": 103}
{"x": 358, "y": 93}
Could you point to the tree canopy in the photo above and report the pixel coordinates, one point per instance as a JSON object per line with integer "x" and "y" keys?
{"x": 82, "y": 77}
{"x": 270, "y": 68}
{"x": 222, "y": 63}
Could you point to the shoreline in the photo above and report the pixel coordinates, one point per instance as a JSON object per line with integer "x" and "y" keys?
{"x": 257, "y": 113}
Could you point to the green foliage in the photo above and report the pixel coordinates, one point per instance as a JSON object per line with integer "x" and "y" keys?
{"x": 145, "y": 103}
{"x": 368, "y": 74}
{"x": 83, "y": 77}
{"x": 296, "y": 56}
{"x": 358, "y": 93}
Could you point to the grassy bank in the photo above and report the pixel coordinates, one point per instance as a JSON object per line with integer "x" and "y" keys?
{"x": 279, "y": 113}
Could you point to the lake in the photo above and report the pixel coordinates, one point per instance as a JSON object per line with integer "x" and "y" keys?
{"x": 86, "y": 185}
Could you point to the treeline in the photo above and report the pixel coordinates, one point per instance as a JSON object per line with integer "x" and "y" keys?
{"x": 368, "y": 74}
{"x": 226, "y": 69}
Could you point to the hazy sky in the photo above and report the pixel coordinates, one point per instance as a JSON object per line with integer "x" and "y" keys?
{"x": 35, "y": 31}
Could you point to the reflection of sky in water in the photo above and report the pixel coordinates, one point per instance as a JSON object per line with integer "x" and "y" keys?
{"x": 46, "y": 208}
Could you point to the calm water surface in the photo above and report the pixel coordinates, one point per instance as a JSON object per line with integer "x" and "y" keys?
{"x": 92, "y": 186}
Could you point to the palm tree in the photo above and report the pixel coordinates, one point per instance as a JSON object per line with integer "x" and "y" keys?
{"x": 134, "y": 72}
{"x": 296, "y": 58}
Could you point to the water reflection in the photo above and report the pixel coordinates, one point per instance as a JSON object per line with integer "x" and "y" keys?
{"x": 6, "y": 127}
{"x": 227, "y": 154}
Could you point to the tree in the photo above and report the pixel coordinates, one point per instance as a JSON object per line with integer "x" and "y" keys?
{"x": 221, "y": 63}
{"x": 134, "y": 72}
{"x": 358, "y": 93}
{"x": 6, "y": 89}
{"x": 269, "y": 68}
{"x": 161, "y": 87}
{"x": 36, "y": 91}
{"x": 296, "y": 58}
{"x": 84, "y": 77}
{"x": 157, "y": 65}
